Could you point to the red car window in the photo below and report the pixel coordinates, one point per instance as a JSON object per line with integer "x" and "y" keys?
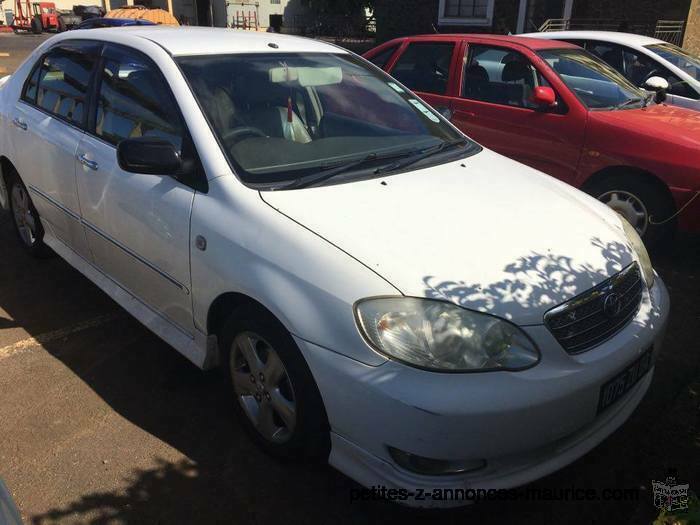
{"x": 500, "y": 76}
{"x": 425, "y": 66}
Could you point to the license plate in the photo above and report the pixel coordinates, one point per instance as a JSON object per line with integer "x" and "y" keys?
{"x": 619, "y": 385}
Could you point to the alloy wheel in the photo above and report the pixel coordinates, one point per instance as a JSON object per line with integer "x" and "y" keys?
{"x": 629, "y": 206}
{"x": 23, "y": 216}
{"x": 263, "y": 387}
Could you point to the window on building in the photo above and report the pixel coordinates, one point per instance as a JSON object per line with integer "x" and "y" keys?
{"x": 425, "y": 66}
{"x": 466, "y": 12}
{"x": 275, "y": 2}
{"x": 134, "y": 101}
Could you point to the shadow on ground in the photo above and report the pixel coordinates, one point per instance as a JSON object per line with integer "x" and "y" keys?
{"x": 226, "y": 479}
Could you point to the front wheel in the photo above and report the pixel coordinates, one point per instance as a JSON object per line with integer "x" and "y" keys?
{"x": 26, "y": 220}
{"x": 642, "y": 203}
{"x": 274, "y": 393}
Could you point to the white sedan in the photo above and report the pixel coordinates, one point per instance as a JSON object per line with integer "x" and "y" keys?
{"x": 382, "y": 292}
{"x": 640, "y": 58}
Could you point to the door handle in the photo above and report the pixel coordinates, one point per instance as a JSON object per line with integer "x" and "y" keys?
{"x": 20, "y": 123}
{"x": 87, "y": 162}
{"x": 466, "y": 114}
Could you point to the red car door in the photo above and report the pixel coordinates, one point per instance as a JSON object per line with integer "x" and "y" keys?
{"x": 494, "y": 106}
{"x": 429, "y": 68}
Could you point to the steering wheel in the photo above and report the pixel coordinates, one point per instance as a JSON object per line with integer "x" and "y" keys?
{"x": 237, "y": 134}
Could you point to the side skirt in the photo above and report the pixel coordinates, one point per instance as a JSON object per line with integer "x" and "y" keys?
{"x": 199, "y": 348}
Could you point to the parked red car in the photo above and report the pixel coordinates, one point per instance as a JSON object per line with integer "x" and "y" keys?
{"x": 558, "y": 108}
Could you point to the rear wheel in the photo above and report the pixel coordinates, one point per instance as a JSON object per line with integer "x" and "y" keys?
{"x": 644, "y": 204}
{"x": 26, "y": 220}
{"x": 60, "y": 25}
{"x": 274, "y": 393}
{"x": 37, "y": 27}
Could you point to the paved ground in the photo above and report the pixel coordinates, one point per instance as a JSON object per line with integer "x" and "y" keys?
{"x": 101, "y": 422}
{"x": 13, "y": 49}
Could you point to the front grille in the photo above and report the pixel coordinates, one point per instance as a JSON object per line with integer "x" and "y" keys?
{"x": 596, "y": 315}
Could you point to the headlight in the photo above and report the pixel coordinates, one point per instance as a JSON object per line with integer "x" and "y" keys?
{"x": 641, "y": 250}
{"x": 440, "y": 336}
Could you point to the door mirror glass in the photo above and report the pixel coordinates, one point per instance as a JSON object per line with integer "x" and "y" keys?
{"x": 544, "y": 97}
{"x": 148, "y": 155}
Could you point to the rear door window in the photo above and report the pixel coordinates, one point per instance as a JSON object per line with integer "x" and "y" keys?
{"x": 425, "y": 66}
{"x": 59, "y": 84}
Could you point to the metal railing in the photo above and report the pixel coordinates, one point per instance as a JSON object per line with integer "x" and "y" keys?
{"x": 667, "y": 30}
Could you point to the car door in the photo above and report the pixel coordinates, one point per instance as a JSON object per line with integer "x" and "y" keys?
{"x": 48, "y": 122}
{"x": 428, "y": 68}
{"x": 495, "y": 108}
{"x": 137, "y": 225}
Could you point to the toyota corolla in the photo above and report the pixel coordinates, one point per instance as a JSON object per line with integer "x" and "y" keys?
{"x": 381, "y": 292}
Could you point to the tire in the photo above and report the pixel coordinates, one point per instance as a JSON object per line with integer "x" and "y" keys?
{"x": 308, "y": 434}
{"x": 37, "y": 28}
{"x": 60, "y": 25}
{"x": 642, "y": 202}
{"x": 25, "y": 219}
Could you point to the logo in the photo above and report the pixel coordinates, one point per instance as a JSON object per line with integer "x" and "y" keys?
{"x": 670, "y": 495}
{"x": 612, "y": 305}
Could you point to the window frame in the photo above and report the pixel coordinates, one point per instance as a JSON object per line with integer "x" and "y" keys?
{"x": 197, "y": 180}
{"x": 451, "y": 71}
{"x": 97, "y": 84}
{"x": 466, "y": 21}
{"x": 561, "y": 108}
{"x": 82, "y": 126}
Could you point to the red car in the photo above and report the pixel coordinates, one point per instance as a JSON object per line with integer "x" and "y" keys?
{"x": 560, "y": 109}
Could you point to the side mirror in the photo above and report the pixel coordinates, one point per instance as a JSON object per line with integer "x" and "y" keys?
{"x": 544, "y": 97}
{"x": 659, "y": 85}
{"x": 656, "y": 84}
{"x": 148, "y": 155}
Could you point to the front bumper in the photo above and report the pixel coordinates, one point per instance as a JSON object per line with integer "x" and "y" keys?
{"x": 524, "y": 424}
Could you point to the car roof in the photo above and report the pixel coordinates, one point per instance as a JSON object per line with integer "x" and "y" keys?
{"x": 182, "y": 41}
{"x": 532, "y": 43}
{"x": 607, "y": 36}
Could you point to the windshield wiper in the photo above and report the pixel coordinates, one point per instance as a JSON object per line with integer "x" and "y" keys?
{"x": 421, "y": 154}
{"x": 329, "y": 173}
{"x": 628, "y": 102}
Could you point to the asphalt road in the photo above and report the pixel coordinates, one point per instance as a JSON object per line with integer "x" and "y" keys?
{"x": 14, "y": 48}
{"x": 101, "y": 422}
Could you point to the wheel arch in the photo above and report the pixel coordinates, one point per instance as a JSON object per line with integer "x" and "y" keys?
{"x": 610, "y": 171}
{"x": 228, "y": 302}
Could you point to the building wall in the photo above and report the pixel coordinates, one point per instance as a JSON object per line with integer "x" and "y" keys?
{"x": 407, "y": 17}
{"x": 691, "y": 42}
{"x": 631, "y": 9}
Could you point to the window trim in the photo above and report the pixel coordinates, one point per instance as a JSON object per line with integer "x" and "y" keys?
{"x": 466, "y": 21}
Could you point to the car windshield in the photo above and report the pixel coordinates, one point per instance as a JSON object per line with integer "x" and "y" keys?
{"x": 596, "y": 84}
{"x": 282, "y": 116}
{"x": 683, "y": 60}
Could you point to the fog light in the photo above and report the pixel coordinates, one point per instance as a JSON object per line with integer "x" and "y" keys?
{"x": 434, "y": 467}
